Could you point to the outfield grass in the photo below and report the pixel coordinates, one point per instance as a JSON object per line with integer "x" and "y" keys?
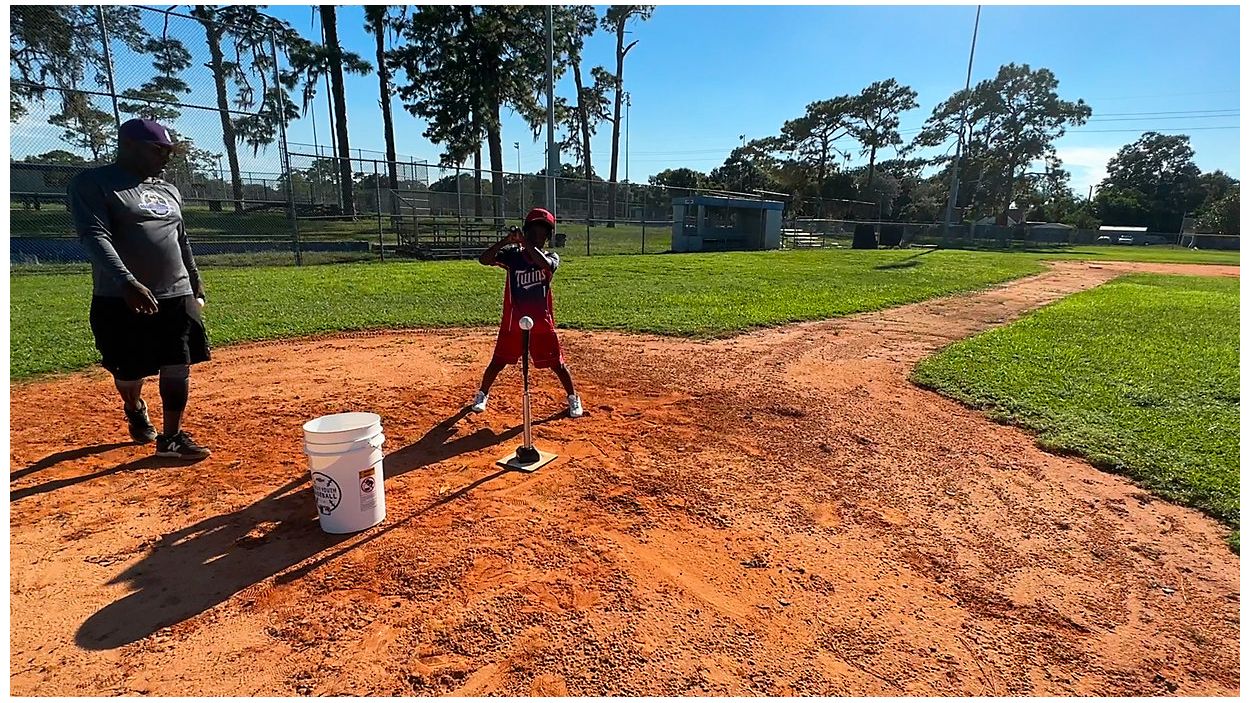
{"x": 1140, "y": 375}
{"x": 1152, "y": 254}
{"x": 694, "y": 295}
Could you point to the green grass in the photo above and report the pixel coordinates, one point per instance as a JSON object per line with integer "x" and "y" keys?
{"x": 693, "y": 295}
{"x": 1151, "y": 254}
{"x": 1139, "y": 375}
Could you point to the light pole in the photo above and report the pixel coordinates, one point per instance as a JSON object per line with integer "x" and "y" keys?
{"x": 963, "y": 116}
{"x": 520, "y": 188}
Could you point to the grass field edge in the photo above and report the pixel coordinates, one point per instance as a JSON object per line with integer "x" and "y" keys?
{"x": 1033, "y": 426}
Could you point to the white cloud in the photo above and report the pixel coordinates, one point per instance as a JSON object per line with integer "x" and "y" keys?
{"x": 1087, "y": 164}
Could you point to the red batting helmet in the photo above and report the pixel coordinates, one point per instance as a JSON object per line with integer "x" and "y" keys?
{"x": 540, "y": 215}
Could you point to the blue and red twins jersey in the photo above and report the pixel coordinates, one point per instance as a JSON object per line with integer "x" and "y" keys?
{"x": 529, "y": 287}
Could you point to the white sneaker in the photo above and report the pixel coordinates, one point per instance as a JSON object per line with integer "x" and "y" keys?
{"x": 479, "y": 402}
{"x": 575, "y": 406}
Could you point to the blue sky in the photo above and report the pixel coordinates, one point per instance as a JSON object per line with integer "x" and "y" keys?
{"x": 702, "y": 75}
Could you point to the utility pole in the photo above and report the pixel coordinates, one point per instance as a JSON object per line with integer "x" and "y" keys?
{"x": 626, "y": 137}
{"x": 108, "y": 65}
{"x": 630, "y": 190}
{"x": 963, "y": 118}
{"x": 520, "y": 188}
{"x": 553, "y": 157}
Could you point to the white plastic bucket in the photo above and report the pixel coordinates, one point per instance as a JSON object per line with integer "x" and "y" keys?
{"x": 346, "y": 473}
{"x": 340, "y": 448}
{"x": 344, "y": 427}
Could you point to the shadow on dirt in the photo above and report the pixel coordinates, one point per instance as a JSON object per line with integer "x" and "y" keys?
{"x": 432, "y": 448}
{"x": 196, "y": 568}
{"x": 438, "y": 444}
{"x": 193, "y": 569}
{"x": 147, "y": 462}
{"x": 68, "y": 455}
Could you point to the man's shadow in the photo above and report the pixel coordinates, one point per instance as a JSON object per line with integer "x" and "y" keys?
{"x": 67, "y": 455}
{"x": 201, "y": 566}
{"x": 195, "y": 568}
{"x": 147, "y": 462}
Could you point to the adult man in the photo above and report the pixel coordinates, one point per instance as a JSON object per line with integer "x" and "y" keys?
{"x": 146, "y": 288}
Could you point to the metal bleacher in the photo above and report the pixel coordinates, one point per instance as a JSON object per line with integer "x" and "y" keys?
{"x": 801, "y": 239}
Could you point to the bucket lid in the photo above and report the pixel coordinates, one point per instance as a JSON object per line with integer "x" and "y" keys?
{"x": 356, "y": 436}
{"x": 343, "y": 422}
{"x": 373, "y": 443}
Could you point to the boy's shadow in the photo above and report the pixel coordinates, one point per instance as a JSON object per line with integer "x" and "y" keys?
{"x": 434, "y": 446}
{"x": 198, "y": 567}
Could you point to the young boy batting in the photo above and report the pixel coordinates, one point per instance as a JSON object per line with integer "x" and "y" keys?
{"x": 527, "y": 293}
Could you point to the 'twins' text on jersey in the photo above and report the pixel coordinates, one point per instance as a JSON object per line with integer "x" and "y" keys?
{"x": 529, "y": 287}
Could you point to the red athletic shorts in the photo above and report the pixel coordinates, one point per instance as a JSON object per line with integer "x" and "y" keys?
{"x": 544, "y": 345}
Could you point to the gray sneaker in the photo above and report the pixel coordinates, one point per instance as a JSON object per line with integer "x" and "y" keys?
{"x": 140, "y": 425}
{"x": 180, "y": 446}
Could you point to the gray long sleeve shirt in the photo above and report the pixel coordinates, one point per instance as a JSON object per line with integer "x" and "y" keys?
{"x": 132, "y": 229}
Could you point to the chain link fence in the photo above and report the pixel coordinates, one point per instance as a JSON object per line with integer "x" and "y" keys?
{"x": 409, "y": 208}
{"x": 814, "y": 233}
{"x": 215, "y": 85}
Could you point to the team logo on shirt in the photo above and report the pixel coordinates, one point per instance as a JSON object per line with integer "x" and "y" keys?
{"x": 155, "y": 203}
{"x": 529, "y": 279}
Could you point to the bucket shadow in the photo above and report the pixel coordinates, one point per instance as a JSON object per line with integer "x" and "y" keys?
{"x": 195, "y": 568}
{"x": 68, "y": 455}
{"x": 432, "y": 448}
{"x": 435, "y": 446}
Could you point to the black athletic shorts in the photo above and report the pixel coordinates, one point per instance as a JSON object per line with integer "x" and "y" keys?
{"x": 134, "y": 346}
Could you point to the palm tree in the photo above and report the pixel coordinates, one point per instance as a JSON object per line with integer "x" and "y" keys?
{"x": 377, "y": 20}
{"x": 214, "y": 33}
{"x": 334, "y": 58}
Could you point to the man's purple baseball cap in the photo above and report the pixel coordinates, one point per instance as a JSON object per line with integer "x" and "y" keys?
{"x": 140, "y": 130}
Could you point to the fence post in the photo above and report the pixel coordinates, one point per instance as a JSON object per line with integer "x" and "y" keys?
{"x": 644, "y": 233}
{"x": 285, "y": 148}
{"x": 590, "y": 194}
{"x": 377, "y": 190}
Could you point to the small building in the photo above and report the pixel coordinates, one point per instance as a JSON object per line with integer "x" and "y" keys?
{"x": 724, "y": 223}
{"x": 1118, "y": 234}
{"x": 1050, "y": 232}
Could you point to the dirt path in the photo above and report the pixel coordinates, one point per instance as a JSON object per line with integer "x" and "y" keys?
{"x": 778, "y": 513}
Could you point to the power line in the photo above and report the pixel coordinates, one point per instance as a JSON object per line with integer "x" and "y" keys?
{"x": 1168, "y": 112}
{"x": 1169, "y": 129}
{"x": 685, "y": 151}
{"x": 1167, "y": 95}
{"x": 1177, "y": 117}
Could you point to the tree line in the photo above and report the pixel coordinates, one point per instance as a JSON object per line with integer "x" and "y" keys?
{"x": 456, "y": 67}
{"x": 460, "y": 68}
{"x": 1009, "y": 170}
